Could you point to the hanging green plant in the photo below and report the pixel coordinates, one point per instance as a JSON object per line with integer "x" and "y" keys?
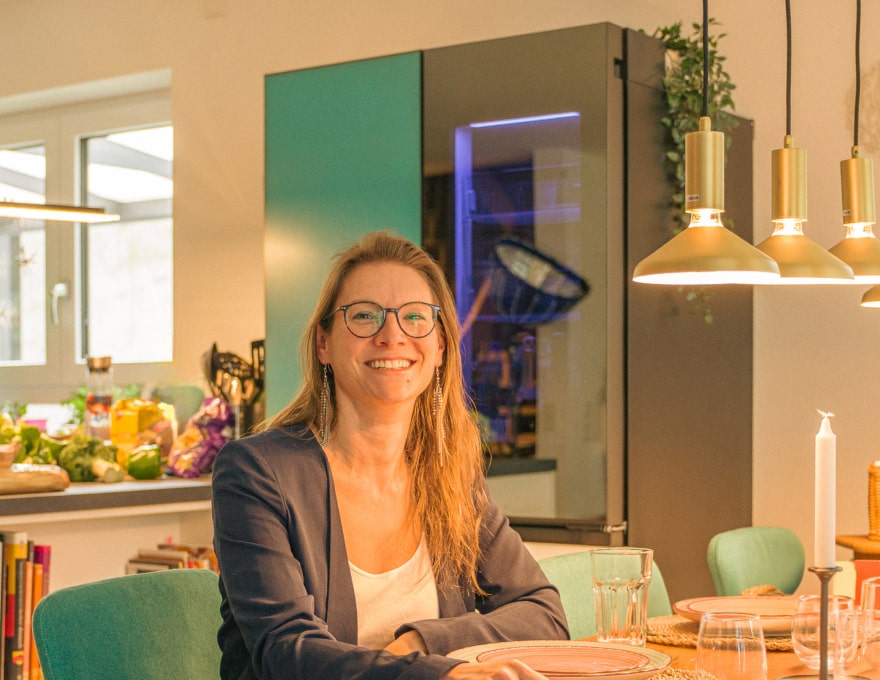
{"x": 683, "y": 86}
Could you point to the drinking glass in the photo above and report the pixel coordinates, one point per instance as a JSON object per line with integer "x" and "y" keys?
{"x": 620, "y": 593}
{"x": 730, "y": 646}
{"x": 842, "y": 631}
{"x": 870, "y": 621}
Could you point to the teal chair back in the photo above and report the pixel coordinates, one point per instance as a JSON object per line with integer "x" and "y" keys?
{"x": 572, "y": 575}
{"x": 152, "y": 626}
{"x": 755, "y": 556}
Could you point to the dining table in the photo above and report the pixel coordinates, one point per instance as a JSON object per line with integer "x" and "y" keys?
{"x": 676, "y": 636}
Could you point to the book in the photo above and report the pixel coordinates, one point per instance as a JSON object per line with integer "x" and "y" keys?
{"x": 177, "y": 558}
{"x": 3, "y": 578}
{"x": 15, "y": 556}
{"x": 36, "y": 670}
{"x": 172, "y": 556}
{"x": 15, "y": 642}
{"x": 27, "y": 598}
{"x": 43, "y": 555}
{"x": 141, "y": 567}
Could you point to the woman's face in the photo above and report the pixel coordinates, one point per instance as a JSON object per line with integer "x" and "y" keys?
{"x": 390, "y": 367}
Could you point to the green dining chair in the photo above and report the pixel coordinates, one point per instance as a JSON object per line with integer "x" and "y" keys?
{"x": 151, "y": 626}
{"x": 571, "y": 573}
{"x": 755, "y": 556}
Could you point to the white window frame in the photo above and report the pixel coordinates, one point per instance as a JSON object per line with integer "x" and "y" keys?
{"x": 61, "y": 130}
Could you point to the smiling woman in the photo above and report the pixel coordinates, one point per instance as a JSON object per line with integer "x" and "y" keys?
{"x": 354, "y": 532}
{"x": 375, "y": 362}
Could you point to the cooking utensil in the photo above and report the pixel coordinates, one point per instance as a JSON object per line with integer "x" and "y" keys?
{"x": 234, "y": 380}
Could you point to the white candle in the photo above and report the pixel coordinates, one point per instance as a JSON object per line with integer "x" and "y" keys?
{"x": 826, "y": 463}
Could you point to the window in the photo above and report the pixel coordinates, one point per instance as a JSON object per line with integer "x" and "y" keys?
{"x": 70, "y": 290}
{"x": 23, "y": 258}
{"x": 128, "y": 283}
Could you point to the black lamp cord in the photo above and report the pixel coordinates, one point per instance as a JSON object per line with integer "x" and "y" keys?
{"x": 788, "y": 68}
{"x": 705, "y": 58}
{"x": 858, "y": 74}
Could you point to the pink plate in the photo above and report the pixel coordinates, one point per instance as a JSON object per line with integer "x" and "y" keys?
{"x": 775, "y": 611}
{"x": 573, "y": 659}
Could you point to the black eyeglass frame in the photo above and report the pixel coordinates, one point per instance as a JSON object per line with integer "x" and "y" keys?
{"x": 435, "y": 309}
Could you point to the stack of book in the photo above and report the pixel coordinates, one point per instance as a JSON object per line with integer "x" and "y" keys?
{"x": 25, "y": 579}
{"x": 172, "y": 556}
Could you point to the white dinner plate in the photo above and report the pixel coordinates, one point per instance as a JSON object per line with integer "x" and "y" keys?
{"x": 774, "y": 611}
{"x": 573, "y": 659}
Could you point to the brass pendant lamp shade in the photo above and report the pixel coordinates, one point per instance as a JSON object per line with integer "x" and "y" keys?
{"x": 57, "y": 213}
{"x": 800, "y": 259}
{"x": 859, "y": 248}
{"x": 706, "y": 252}
{"x": 871, "y": 298}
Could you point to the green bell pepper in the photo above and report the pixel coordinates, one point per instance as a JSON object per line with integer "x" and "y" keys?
{"x": 145, "y": 462}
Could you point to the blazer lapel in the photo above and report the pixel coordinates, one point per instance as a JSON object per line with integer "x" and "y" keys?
{"x": 341, "y": 603}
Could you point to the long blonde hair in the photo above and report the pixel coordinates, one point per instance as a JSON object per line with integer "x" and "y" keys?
{"x": 448, "y": 485}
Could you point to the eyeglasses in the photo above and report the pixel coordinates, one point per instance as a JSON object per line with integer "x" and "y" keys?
{"x": 365, "y": 319}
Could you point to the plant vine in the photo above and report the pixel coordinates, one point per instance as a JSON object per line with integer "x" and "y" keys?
{"x": 683, "y": 86}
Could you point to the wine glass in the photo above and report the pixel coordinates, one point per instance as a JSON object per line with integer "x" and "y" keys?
{"x": 842, "y": 631}
{"x": 730, "y": 646}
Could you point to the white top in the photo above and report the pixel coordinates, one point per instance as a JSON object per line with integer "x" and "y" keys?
{"x": 388, "y": 600}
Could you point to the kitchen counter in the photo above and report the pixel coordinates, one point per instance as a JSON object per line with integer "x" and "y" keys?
{"x": 97, "y": 496}
{"x": 518, "y": 465}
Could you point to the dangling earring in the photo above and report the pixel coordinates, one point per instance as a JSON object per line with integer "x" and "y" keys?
{"x": 438, "y": 403}
{"x": 325, "y": 399}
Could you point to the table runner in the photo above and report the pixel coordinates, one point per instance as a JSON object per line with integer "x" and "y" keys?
{"x": 678, "y": 631}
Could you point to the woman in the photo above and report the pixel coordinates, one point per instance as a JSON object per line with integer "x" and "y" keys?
{"x": 354, "y": 534}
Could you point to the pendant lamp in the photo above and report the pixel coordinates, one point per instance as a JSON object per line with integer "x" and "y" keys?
{"x": 706, "y": 252}
{"x": 800, "y": 259}
{"x": 57, "y": 213}
{"x": 859, "y": 248}
{"x": 871, "y": 298}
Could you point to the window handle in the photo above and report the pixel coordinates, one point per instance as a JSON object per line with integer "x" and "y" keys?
{"x": 59, "y": 290}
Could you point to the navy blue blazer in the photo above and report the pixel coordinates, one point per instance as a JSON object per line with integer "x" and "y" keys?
{"x": 288, "y": 603}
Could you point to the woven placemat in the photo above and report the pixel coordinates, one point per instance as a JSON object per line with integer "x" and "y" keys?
{"x": 677, "y": 631}
{"x": 674, "y": 674}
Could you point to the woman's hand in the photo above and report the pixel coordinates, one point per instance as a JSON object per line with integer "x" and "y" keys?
{"x": 493, "y": 670}
{"x": 410, "y": 641}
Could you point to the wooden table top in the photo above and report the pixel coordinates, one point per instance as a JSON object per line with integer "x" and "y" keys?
{"x": 779, "y": 664}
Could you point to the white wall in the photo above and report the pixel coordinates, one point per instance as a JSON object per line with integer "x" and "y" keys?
{"x": 813, "y": 348}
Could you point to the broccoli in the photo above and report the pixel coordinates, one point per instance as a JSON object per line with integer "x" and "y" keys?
{"x": 87, "y": 458}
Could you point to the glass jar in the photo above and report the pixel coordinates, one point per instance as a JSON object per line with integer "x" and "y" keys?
{"x": 99, "y": 397}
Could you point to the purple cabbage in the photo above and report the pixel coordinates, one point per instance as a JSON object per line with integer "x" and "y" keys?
{"x": 214, "y": 421}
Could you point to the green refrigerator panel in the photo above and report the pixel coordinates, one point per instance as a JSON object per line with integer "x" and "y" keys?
{"x": 343, "y": 158}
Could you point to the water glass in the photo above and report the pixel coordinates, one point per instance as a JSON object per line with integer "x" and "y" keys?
{"x": 842, "y": 631}
{"x": 730, "y": 646}
{"x": 870, "y": 621}
{"x": 620, "y": 593}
